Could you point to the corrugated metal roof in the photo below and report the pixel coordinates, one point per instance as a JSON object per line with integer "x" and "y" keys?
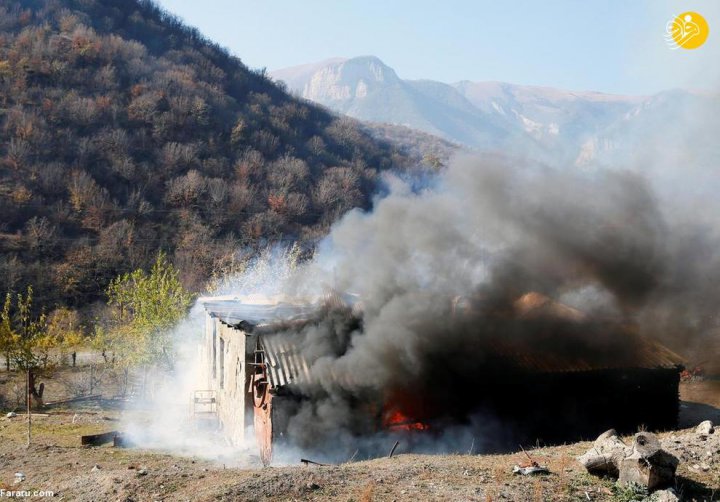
{"x": 231, "y": 310}
{"x": 638, "y": 353}
{"x": 554, "y": 348}
{"x": 605, "y": 345}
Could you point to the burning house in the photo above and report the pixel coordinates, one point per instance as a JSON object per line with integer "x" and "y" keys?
{"x": 539, "y": 369}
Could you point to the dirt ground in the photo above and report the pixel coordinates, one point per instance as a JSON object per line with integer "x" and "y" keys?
{"x": 700, "y": 401}
{"x": 56, "y": 462}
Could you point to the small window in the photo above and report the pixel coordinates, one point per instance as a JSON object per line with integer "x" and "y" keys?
{"x": 222, "y": 363}
{"x": 239, "y": 384}
{"x": 214, "y": 350}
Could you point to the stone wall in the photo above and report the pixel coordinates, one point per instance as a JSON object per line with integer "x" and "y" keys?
{"x": 227, "y": 371}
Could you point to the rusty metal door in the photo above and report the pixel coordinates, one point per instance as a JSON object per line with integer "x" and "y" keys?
{"x": 262, "y": 407}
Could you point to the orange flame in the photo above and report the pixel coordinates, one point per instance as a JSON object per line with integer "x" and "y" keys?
{"x": 396, "y": 420}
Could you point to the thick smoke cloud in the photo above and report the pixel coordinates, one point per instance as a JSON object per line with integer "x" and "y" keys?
{"x": 488, "y": 232}
{"x": 431, "y": 276}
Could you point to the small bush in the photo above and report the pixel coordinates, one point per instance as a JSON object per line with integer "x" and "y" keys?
{"x": 632, "y": 492}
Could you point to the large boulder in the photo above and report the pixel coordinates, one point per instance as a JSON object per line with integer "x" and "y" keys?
{"x": 644, "y": 462}
{"x": 705, "y": 428}
{"x": 647, "y": 464}
{"x": 605, "y": 455}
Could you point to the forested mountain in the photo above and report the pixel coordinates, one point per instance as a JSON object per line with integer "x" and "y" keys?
{"x": 425, "y": 150}
{"x": 123, "y": 132}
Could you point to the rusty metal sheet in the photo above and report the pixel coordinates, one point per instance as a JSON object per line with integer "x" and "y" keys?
{"x": 262, "y": 421}
{"x": 644, "y": 354}
{"x": 262, "y": 413}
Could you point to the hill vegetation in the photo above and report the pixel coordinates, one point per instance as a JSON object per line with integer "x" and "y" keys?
{"x": 123, "y": 132}
{"x": 429, "y": 151}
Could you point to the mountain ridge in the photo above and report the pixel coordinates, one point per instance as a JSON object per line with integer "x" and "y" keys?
{"x": 547, "y": 123}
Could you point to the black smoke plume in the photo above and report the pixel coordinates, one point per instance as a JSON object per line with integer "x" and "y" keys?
{"x": 438, "y": 274}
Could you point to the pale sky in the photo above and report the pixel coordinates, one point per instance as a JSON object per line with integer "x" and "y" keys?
{"x": 613, "y": 46}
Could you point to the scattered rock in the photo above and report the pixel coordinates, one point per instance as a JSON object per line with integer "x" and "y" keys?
{"x": 12, "y": 414}
{"x": 142, "y": 472}
{"x": 605, "y": 455}
{"x": 705, "y": 428}
{"x": 644, "y": 463}
{"x": 19, "y": 477}
{"x": 95, "y": 468}
{"x": 312, "y": 486}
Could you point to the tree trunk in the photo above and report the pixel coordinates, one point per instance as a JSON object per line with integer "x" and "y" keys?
{"x": 125, "y": 381}
{"x": 29, "y": 399}
{"x": 7, "y": 362}
{"x": 33, "y": 391}
{"x": 143, "y": 391}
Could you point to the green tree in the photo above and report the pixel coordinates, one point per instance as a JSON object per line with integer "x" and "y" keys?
{"x": 31, "y": 340}
{"x": 64, "y": 331}
{"x": 147, "y": 305}
{"x": 8, "y": 337}
{"x": 26, "y": 342}
{"x": 28, "y": 339}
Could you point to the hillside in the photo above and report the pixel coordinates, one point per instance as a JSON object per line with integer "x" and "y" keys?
{"x": 429, "y": 150}
{"x": 122, "y": 132}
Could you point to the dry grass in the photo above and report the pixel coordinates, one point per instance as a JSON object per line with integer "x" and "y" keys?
{"x": 367, "y": 493}
{"x": 537, "y": 491}
{"x": 58, "y": 463}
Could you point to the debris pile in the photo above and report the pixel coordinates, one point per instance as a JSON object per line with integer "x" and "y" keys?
{"x": 530, "y": 466}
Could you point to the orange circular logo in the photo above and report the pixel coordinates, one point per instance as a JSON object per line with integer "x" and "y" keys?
{"x": 688, "y": 30}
